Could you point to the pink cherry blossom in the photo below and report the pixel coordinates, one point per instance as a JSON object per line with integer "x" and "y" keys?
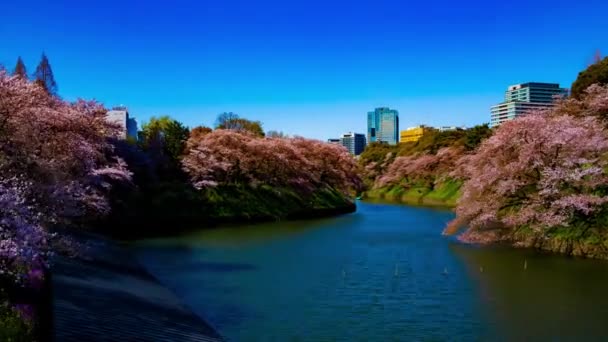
{"x": 537, "y": 171}
{"x": 56, "y": 165}
{"x": 229, "y": 157}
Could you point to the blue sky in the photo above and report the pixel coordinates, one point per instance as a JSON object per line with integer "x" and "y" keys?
{"x": 312, "y": 68}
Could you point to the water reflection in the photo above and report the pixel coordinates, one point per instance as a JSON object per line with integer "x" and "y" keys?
{"x": 384, "y": 273}
{"x": 535, "y": 296}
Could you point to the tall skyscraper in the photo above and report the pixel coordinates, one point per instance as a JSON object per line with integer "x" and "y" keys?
{"x": 383, "y": 126}
{"x": 521, "y": 98}
{"x": 127, "y": 125}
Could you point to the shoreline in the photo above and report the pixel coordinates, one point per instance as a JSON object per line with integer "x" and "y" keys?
{"x": 108, "y": 293}
{"x": 187, "y": 226}
{"x": 409, "y": 200}
{"x": 576, "y": 248}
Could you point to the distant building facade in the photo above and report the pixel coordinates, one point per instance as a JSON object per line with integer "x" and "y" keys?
{"x": 354, "y": 142}
{"x": 522, "y": 98}
{"x": 383, "y": 126}
{"x": 412, "y": 134}
{"x": 449, "y": 128}
{"x": 127, "y": 125}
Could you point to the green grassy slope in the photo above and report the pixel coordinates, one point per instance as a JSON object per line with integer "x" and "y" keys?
{"x": 444, "y": 194}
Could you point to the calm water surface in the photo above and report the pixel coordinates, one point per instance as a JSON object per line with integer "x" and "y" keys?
{"x": 384, "y": 273}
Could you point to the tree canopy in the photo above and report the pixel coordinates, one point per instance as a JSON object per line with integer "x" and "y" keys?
{"x": 43, "y": 76}
{"x": 56, "y": 165}
{"x": 596, "y": 73}
{"x": 20, "y": 70}
{"x": 539, "y": 171}
{"x": 164, "y": 135}
{"x": 232, "y": 121}
{"x": 231, "y": 157}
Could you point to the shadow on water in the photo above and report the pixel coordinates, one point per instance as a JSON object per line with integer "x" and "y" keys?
{"x": 219, "y": 266}
{"x": 536, "y": 296}
{"x": 242, "y": 235}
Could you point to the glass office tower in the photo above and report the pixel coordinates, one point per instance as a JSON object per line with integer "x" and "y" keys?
{"x": 383, "y": 126}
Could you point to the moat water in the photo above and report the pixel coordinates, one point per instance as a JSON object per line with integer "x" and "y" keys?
{"x": 384, "y": 273}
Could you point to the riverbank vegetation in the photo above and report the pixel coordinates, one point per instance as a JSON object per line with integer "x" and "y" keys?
{"x": 541, "y": 180}
{"x": 56, "y": 167}
{"x": 233, "y": 173}
{"x": 418, "y": 172}
{"x": 64, "y": 166}
{"x": 537, "y": 181}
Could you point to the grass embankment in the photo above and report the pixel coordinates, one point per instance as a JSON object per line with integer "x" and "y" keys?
{"x": 266, "y": 203}
{"x": 12, "y": 326}
{"x": 444, "y": 194}
{"x": 172, "y": 208}
{"x": 582, "y": 240}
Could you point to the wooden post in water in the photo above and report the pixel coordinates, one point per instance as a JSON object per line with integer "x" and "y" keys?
{"x": 525, "y": 264}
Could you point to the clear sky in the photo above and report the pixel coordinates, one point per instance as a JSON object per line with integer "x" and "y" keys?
{"x": 312, "y": 68}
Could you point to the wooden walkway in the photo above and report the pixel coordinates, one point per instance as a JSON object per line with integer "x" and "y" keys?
{"x": 109, "y": 297}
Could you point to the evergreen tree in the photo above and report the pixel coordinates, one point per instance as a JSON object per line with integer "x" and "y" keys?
{"x": 20, "y": 69}
{"x": 44, "y": 76}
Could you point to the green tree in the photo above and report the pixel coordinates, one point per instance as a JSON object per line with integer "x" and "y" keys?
{"x": 43, "y": 76}
{"x": 595, "y": 73}
{"x": 20, "y": 70}
{"x": 376, "y": 152}
{"x": 165, "y": 136}
{"x": 475, "y": 135}
{"x": 230, "y": 120}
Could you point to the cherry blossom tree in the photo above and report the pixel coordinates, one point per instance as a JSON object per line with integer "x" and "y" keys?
{"x": 62, "y": 147}
{"x": 56, "y": 166}
{"x": 236, "y": 157}
{"x": 425, "y": 168}
{"x": 537, "y": 171}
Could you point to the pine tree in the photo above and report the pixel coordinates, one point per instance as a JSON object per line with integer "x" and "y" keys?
{"x": 44, "y": 76}
{"x": 20, "y": 70}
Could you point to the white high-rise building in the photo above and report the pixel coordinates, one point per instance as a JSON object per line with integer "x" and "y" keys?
{"x": 522, "y": 98}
